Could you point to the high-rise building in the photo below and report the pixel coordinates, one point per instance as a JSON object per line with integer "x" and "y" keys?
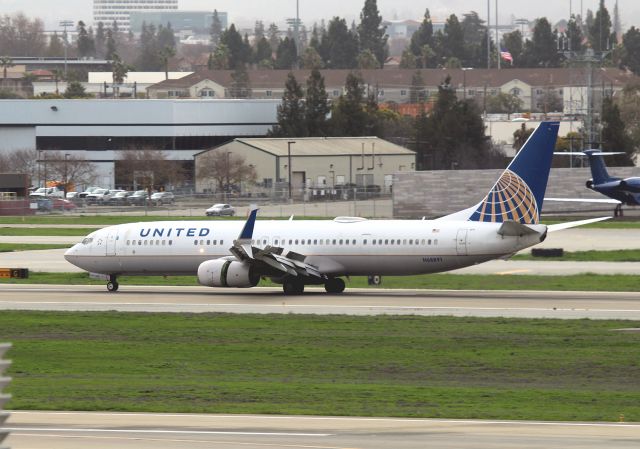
{"x": 107, "y": 11}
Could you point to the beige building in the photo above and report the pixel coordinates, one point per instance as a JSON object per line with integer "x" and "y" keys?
{"x": 315, "y": 166}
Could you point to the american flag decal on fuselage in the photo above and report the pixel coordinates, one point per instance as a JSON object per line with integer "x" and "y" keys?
{"x": 510, "y": 199}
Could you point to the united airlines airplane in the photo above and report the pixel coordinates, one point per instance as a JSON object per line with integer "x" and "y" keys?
{"x": 299, "y": 253}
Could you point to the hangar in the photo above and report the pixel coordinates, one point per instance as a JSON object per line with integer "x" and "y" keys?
{"x": 311, "y": 166}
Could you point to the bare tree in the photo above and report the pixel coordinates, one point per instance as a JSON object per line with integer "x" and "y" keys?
{"x": 68, "y": 170}
{"x": 225, "y": 169}
{"x": 147, "y": 168}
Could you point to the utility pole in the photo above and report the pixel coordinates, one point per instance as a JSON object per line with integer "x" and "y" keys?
{"x": 499, "y": 50}
{"x": 488, "y": 34}
{"x": 289, "y": 165}
{"x": 64, "y": 24}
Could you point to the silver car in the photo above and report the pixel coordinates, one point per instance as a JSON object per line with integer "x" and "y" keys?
{"x": 218, "y": 210}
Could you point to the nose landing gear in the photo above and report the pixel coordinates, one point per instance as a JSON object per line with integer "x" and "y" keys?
{"x": 112, "y": 285}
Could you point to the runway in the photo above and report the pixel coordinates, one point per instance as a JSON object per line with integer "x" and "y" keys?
{"x": 515, "y": 304}
{"x": 79, "y": 430}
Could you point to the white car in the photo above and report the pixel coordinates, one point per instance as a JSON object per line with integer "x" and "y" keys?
{"x": 220, "y": 210}
{"x": 43, "y": 192}
{"x": 99, "y": 196}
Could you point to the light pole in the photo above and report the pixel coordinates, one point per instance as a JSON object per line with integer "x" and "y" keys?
{"x": 64, "y": 24}
{"x": 464, "y": 81}
{"x": 289, "y": 162}
{"x": 226, "y": 190}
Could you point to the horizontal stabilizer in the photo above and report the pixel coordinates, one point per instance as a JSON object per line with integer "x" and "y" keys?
{"x": 573, "y": 224}
{"x": 513, "y": 228}
{"x": 584, "y": 200}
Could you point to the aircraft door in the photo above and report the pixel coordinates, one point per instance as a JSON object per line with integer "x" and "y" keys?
{"x": 110, "y": 247}
{"x": 461, "y": 242}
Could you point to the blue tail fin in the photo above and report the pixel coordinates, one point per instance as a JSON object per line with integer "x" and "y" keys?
{"x": 598, "y": 167}
{"x": 519, "y": 192}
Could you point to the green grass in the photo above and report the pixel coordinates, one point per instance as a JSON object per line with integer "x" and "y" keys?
{"x": 581, "y": 282}
{"x": 489, "y": 368}
{"x": 10, "y": 247}
{"x": 619, "y": 255}
{"x": 58, "y": 232}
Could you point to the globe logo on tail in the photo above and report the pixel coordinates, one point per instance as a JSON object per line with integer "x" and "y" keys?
{"x": 509, "y": 199}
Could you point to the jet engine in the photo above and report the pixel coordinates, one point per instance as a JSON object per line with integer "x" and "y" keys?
{"x": 631, "y": 185}
{"x": 227, "y": 273}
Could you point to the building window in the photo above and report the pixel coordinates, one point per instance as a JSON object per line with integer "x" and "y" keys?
{"x": 336, "y": 93}
{"x": 403, "y": 93}
{"x": 269, "y": 93}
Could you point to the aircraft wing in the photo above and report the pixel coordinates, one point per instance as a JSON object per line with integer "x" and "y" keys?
{"x": 271, "y": 257}
{"x": 585, "y": 200}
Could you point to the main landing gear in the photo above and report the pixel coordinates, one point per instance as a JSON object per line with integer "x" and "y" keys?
{"x": 617, "y": 212}
{"x": 334, "y": 285}
{"x": 112, "y": 285}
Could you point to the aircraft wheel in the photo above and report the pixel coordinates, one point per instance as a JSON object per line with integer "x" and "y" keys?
{"x": 112, "y": 286}
{"x": 293, "y": 287}
{"x": 334, "y": 285}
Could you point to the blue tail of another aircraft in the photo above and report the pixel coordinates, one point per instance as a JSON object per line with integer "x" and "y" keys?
{"x": 519, "y": 192}
{"x": 598, "y": 167}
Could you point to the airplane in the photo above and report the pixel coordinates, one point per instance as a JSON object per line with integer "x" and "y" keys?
{"x": 620, "y": 191}
{"x": 322, "y": 252}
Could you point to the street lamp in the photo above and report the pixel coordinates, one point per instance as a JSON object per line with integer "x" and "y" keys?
{"x": 65, "y": 24}
{"x": 228, "y": 175}
{"x": 464, "y": 81}
{"x": 289, "y": 163}
{"x": 66, "y": 173}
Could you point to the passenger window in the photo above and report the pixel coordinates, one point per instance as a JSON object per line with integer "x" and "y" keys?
{"x": 127, "y": 242}
{"x": 164, "y": 242}
{"x": 392, "y": 241}
{"x": 404, "y": 241}
{"x": 341, "y": 241}
{"x": 386, "y": 242}
{"x": 423, "y": 241}
{"x": 145, "y": 242}
{"x": 435, "y": 242}
{"x": 290, "y": 241}
{"x": 364, "y": 242}
{"x": 296, "y": 241}
{"x": 429, "y": 241}
{"x": 315, "y": 241}
{"x": 208, "y": 242}
{"x": 170, "y": 242}
{"x": 139, "y": 242}
{"x": 334, "y": 241}
{"x": 195, "y": 242}
{"x": 222, "y": 242}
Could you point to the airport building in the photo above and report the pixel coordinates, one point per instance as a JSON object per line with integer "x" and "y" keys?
{"x": 108, "y": 11}
{"x": 198, "y": 22}
{"x": 313, "y": 167}
{"x": 101, "y": 130}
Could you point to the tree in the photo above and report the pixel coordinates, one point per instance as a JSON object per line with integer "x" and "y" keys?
{"x": 542, "y": 49}
{"x": 216, "y": 29}
{"x": 520, "y": 136}
{"x": 421, "y": 38}
{"x": 367, "y": 60}
{"x": 600, "y": 30}
{"x": 453, "y": 43}
{"x": 225, "y": 169}
{"x": 69, "y": 169}
{"x": 100, "y": 40}
{"x": 475, "y": 40}
{"x": 629, "y": 105}
{"x": 614, "y": 133}
{"x": 341, "y": 45}
{"x": 56, "y": 47}
{"x": 263, "y": 51}
{"x": 219, "y": 59}
{"x": 503, "y": 103}
{"x": 348, "y": 113}
{"x": 240, "y": 83}
{"x": 311, "y": 59}
{"x": 574, "y": 36}
{"x": 286, "y": 55}
{"x": 371, "y": 33}
{"x": 408, "y": 59}
{"x": 75, "y": 90}
{"x": 317, "y": 105}
{"x": 20, "y": 36}
{"x": 119, "y": 71}
{"x": 291, "y": 113}
{"x": 5, "y": 62}
{"x": 237, "y": 52}
{"x": 258, "y": 30}
{"x": 86, "y": 45}
{"x": 631, "y": 50}
{"x": 147, "y": 167}
{"x": 165, "y": 55}
{"x": 111, "y": 46}
{"x": 148, "y": 57}
{"x": 274, "y": 37}
{"x": 513, "y": 43}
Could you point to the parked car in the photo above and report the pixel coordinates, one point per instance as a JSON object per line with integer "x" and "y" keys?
{"x": 47, "y": 192}
{"x": 99, "y": 196}
{"x": 72, "y": 195}
{"x": 88, "y": 191}
{"x": 220, "y": 210}
{"x": 120, "y": 198}
{"x": 44, "y": 204}
{"x": 160, "y": 198}
{"x": 138, "y": 198}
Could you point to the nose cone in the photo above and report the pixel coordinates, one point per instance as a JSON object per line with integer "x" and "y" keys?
{"x": 71, "y": 255}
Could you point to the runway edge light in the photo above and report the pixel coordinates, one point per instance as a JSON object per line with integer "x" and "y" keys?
{"x": 4, "y": 381}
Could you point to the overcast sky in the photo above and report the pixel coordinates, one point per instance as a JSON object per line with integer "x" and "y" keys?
{"x": 246, "y": 12}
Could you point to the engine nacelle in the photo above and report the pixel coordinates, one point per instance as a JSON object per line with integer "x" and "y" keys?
{"x": 631, "y": 185}
{"x": 226, "y": 273}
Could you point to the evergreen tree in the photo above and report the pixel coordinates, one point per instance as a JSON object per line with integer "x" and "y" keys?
{"x": 513, "y": 44}
{"x": 237, "y": 53}
{"x": 317, "y": 105}
{"x": 475, "y": 41}
{"x": 616, "y": 25}
{"x": 453, "y": 43}
{"x": 216, "y": 29}
{"x": 149, "y": 57}
{"x": 219, "y": 59}
{"x": 367, "y": 60}
{"x": 600, "y": 30}
{"x": 286, "y": 55}
{"x": 408, "y": 59}
{"x": 574, "y": 36}
{"x": 166, "y": 37}
{"x": 110, "y": 46}
{"x": 311, "y": 59}
{"x": 274, "y": 37}
{"x": 263, "y": 51}
{"x": 542, "y": 49}
{"x": 101, "y": 39}
{"x": 258, "y": 30}
{"x": 291, "y": 113}
{"x": 86, "y": 45}
{"x": 370, "y": 32}
{"x": 342, "y": 45}
{"x": 349, "y": 117}
{"x": 56, "y": 46}
{"x": 240, "y": 83}
{"x": 75, "y": 90}
{"x": 614, "y": 133}
{"x": 631, "y": 50}
{"x": 421, "y": 38}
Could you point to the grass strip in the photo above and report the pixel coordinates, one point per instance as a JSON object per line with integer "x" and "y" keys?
{"x": 618, "y": 255}
{"x": 488, "y": 368}
{"x": 11, "y": 247}
{"x": 580, "y": 282}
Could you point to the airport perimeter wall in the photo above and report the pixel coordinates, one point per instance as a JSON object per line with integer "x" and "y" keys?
{"x": 432, "y": 194}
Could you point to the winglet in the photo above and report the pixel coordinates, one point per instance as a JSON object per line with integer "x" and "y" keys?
{"x": 247, "y": 230}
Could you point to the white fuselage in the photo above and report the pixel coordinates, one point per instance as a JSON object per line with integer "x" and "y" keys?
{"x": 336, "y": 247}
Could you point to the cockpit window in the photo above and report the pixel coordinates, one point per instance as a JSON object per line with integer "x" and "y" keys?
{"x": 87, "y": 240}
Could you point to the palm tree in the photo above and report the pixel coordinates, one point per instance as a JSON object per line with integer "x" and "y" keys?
{"x": 5, "y": 62}
{"x": 167, "y": 53}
